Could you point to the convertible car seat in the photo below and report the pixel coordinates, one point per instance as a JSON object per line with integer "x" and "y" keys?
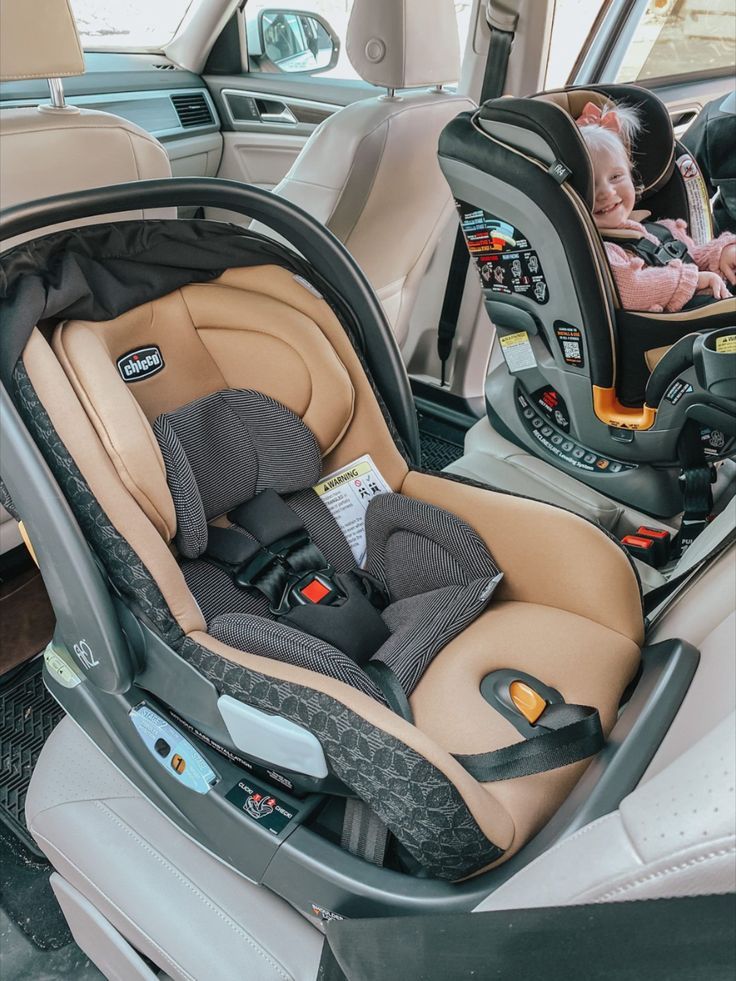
{"x": 584, "y": 384}
{"x": 305, "y": 682}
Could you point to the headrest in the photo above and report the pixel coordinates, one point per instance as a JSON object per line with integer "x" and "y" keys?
{"x": 404, "y": 43}
{"x": 652, "y": 149}
{"x": 537, "y": 127}
{"x": 38, "y": 40}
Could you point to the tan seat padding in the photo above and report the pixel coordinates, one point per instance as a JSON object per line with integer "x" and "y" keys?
{"x": 654, "y": 355}
{"x": 367, "y": 432}
{"x": 213, "y": 337}
{"x": 83, "y": 443}
{"x": 587, "y": 663}
{"x": 118, "y": 422}
{"x": 547, "y": 555}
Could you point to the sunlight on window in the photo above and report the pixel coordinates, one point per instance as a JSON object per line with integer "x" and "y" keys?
{"x": 128, "y": 23}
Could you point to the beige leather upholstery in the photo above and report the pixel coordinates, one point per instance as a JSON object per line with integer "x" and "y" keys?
{"x": 404, "y": 43}
{"x": 38, "y": 40}
{"x": 370, "y": 171}
{"x": 49, "y": 151}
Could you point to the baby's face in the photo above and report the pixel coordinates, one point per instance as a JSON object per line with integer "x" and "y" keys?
{"x": 614, "y": 190}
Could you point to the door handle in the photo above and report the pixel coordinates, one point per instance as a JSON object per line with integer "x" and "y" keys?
{"x": 273, "y": 111}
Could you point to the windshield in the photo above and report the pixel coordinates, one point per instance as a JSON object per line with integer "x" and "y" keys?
{"x": 119, "y": 24}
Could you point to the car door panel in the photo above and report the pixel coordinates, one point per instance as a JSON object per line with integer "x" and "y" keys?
{"x": 268, "y": 117}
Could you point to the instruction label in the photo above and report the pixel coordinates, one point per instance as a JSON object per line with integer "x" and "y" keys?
{"x": 517, "y": 350}
{"x": 347, "y": 493}
{"x": 504, "y": 256}
{"x": 701, "y": 225}
{"x": 172, "y": 751}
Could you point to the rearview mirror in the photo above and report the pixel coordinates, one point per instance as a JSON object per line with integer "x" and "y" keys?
{"x": 292, "y": 41}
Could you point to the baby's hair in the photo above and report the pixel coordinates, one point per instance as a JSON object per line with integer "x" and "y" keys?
{"x": 597, "y": 136}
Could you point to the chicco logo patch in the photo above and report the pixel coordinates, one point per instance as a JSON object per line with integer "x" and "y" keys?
{"x": 139, "y": 364}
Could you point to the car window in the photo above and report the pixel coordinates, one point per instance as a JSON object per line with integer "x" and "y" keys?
{"x": 126, "y": 24}
{"x": 298, "y": 40}
{"x": 571, "y": 25}
{"x": 681, "y": 37}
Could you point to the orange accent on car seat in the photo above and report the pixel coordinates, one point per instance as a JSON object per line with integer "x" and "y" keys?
{"x": 27, "y": 541}
{"x": 528, "y": 702}
{"x": 609, "y": 410}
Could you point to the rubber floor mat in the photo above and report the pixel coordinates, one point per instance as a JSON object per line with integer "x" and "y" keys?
{"x": 437, "y": 453}
{"x": 28, "y": 714}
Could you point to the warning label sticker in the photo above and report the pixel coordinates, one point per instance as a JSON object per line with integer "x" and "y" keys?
{"x": 517, "y": 350}
{"x": 347, "y": 493}
{"x": 726, "y": 344}
{"x": 701, "y": 225}
{"x": 505, "y": 257}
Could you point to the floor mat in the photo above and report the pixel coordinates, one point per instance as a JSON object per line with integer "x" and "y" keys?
{"x": 438, "y": 453}
{"x": 26, "y": 896}
{"x": 28, "y": 713}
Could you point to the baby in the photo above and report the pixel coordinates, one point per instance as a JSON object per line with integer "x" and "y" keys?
{"x": 608, "y": 134}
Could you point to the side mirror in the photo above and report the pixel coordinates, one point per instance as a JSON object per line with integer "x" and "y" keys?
{"x": 291, "y": 41}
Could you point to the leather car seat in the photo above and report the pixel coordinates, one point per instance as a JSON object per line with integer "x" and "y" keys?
{"x": 369, "y": 172}
{"x": 55, "y": 148}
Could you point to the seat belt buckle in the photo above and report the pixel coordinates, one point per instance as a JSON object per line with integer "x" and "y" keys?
{"x": 662, "y": 542}
{"x": 315, "y": 588}
{"x": 640, "y": 548}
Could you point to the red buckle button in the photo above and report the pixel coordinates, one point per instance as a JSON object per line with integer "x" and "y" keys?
{"x": 315, "y": 591}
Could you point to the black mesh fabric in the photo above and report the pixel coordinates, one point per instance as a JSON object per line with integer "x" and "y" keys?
{"x": 221, "y": 450}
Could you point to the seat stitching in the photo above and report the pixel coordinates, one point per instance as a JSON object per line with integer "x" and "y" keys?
{"x": 96, "y": 890}
{"x": 662, "y": 873}
{"x": 195, "y": 891}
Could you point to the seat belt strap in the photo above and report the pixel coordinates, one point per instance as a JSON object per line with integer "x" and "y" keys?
{"x": 389, "y": 684}
{"x": 502, "y": 23}
{"x": 654, "y": 599}
{"x": 658, "y": 939}
{"x": 696, "y": 479}
{"x": 567, "y": 734}
{"x": 363, "y": 832}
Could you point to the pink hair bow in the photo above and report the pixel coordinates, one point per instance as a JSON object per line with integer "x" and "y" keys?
{"x": 593, "y": 116}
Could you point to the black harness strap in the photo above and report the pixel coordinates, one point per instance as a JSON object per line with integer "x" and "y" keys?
{"x": 670, "y": 247}
{"x": 567, "y": 734}
{"x": 270, "y": 550}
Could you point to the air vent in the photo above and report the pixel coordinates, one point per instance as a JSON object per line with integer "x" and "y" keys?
{"x": 166, "y": 68}
{"x": 192, "y": 110}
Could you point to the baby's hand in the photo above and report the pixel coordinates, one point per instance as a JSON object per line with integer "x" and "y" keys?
{"x": 727, "y": 265}
{"x": 713, "y": 284}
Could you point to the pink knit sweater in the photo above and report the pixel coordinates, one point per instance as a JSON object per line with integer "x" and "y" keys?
{"x": 663, "y": 288}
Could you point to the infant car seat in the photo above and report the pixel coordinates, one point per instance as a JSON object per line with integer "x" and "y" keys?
{"x": 579, "y": 384}
{"x": 194, "y": 418}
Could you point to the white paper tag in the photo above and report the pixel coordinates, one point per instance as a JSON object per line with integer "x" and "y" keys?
{"x": 517, "y": 350}
{"x": 347, "y": 493}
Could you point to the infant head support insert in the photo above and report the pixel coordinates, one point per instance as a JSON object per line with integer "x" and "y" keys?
{"x": 452, "y": 686}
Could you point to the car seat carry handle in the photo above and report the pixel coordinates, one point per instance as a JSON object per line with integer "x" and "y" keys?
{"x": 317, "y": 244}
